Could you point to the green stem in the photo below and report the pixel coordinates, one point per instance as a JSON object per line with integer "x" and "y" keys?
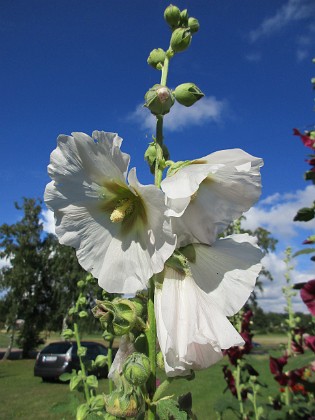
{"x": 109, "y": 363}
{"x": 151, "y": 338}
{"x": 238, "y": 389}
{"x": 85, "y": 385}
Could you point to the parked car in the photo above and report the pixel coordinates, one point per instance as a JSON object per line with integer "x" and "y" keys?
{"x": 60, "y": 357}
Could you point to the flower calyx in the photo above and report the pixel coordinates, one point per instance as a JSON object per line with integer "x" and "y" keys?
{"x": 150, "y": 156}
{"x": 156, "y": 58}
{"x": 187, "y": 94}
{"x": 181, "y": 39}
{"x": 137, "y": 369}
{"x": 124, "y": 403}
{"x": 159, "y": 99}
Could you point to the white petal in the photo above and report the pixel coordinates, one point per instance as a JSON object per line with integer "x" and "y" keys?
{"x": 222, "y": 187}
{"x": 191, "y": 329}
{"x": 227, "y": 271}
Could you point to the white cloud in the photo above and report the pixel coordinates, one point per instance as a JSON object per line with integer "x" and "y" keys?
{"x": 48, "y": 221}
{"x": 208, "y": 109}
{"x": 293, "y": 10}
{"x": 276, "y": 213}
{"x": 272, "y": 298}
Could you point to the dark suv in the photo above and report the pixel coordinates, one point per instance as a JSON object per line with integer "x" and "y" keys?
{"x": 60, "y": 357}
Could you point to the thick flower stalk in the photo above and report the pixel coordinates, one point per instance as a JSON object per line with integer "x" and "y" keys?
{"x": 202, "y": 286}
{"x": 205, "y": 195}
{"x": 119, "y": 229}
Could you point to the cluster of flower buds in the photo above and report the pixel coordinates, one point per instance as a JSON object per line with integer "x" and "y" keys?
{"x": 183, "y": 27}
{"x": 124, "y": 403}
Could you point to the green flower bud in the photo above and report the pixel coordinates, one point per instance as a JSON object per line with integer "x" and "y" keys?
{"x": 81, "y": 283}
{"x": 156, "y": 58}
{"x": 184, "y": 17}
{"x": 187, "y": 94}
{"x": 150, "y": 155}
{"x": 180, "y": 39}
{"x": 137, "y": 369}
{"x": 123, "y": 404}
{"x": 193, "y": 25}
{"x": 118, "y": 316}
{"x": 159, "y": 99}
{"x": 160, "y": 360}
{"x": 108, "y": 336}
{"x": 172, "y": 15}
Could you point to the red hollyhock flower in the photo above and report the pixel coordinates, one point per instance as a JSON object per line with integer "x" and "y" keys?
{"x": 310, "y": 342}
{"x": 308, "y": 295}
{"x": 307, "y": 141}
{"x": 276, "y": 368}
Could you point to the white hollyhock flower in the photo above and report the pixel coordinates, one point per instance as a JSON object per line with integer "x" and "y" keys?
{"x": 126, "y": 348}
{"x": 192, "y": 307}
{"x": 211, "y": 192}
{"x": 119, "y": 230}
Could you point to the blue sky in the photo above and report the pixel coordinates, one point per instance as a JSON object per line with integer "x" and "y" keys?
{"x": 81, "y": 65}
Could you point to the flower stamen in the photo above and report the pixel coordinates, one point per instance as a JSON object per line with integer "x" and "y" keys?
{"x": 123, "y": 208}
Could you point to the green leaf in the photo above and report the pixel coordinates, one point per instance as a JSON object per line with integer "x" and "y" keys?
{"x": 101, "y": 361}
{"x": 66, "y": 376}
{"x": 304, "y": 215}
{"x": 67, "y": 334}
{"x": 168, "y": 409}
{"x": 72, "y": 311}
{"x": 75, "y": 381}
{"x": 304, "y": 251}
{"x": 260, "y": 411}
{"x": 97, "y": 403}
{"x": 82, "y": 412}
{"x": 83, "y": 314}
{"x": 92, "y": 381}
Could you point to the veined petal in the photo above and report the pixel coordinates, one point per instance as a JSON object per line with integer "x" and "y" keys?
{"x": 220, "y": 186}
{"x": 227, "y": 271}
{"x": 120, "y": 231}
{"x": 191, "y": 331}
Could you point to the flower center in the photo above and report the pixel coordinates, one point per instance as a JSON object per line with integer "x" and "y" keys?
{"x": 123, "y": 208}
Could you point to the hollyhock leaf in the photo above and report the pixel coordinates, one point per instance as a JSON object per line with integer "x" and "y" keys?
{"x": 168, "y": 409}
{"x": 120, "y": 230}
{"x": 303, "y": 252}
{"x": 304, "y": 215}
{"x": 216, "y": 190}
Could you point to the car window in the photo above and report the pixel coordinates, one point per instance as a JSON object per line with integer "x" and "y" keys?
{"x": 57, "y": 348}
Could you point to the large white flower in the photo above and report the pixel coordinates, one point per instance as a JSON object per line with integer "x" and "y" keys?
{"x": 211, "y": 192}
{"x": 192, "y": 307}
{"x": 119, "y": 230}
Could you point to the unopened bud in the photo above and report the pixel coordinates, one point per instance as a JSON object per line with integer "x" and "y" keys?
{"x": 159, "y": 99}
{"x": 193, "y": 25}
{"x": 187, "y": 94}
{"x": 184, "y": 17}
{"x": 180, "y": 39}
{"x": 122, "y": 404}
{"x": 137, "y": 369}
{"x": 156, "y": 58}
{"x": 172, "y": 15}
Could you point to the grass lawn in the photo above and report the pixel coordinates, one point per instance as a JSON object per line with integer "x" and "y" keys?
{"x": 25, "y": 397}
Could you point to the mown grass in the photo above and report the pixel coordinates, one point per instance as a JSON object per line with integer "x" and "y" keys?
{"x": 25, "y": 397}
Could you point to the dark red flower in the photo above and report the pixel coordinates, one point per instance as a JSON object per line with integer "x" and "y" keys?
{"x": 308, "y": 295}
{"x": 307, "y": 140}
{"x": 276, "y": 368}
{"x": 310, "y": 342}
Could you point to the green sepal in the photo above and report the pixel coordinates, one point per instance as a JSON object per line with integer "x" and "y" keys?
{"x": 175, "y": 167}
{"x": 82, "y": 300}
{"x": 83, "y": 314}
{"x": 156, "y": 58}
{"x": 80, "y": 284}
{"x": 72, "y": 310}
{"x": 82, "y": 351}
{"x": 82, "y": 412}
{"x": 188, "y": 94}
{"x": 193, "y": 25}
{"x": 97, "y": 402}
{"x": 184, "y": 17}
{"x": 92, "y": 381}
{"x": 100, "y": 361}
{"x": 67, "y": 334}
{"x": 179, "y": 263}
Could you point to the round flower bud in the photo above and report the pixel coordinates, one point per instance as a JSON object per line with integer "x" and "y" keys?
{"x": 193, "y": 25}
{"x": 156, "y": 58}
{"x": 172, "y": 15}
{"x": 159, "y": 99}
{"x": 187, "y": 94}
{"x": 122, "y": 404}
{"x": 137, "y": 369}
{"x": 180, "y": 39}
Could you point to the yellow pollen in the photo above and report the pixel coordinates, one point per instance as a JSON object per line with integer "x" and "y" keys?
{"x": 121, "y": 211}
